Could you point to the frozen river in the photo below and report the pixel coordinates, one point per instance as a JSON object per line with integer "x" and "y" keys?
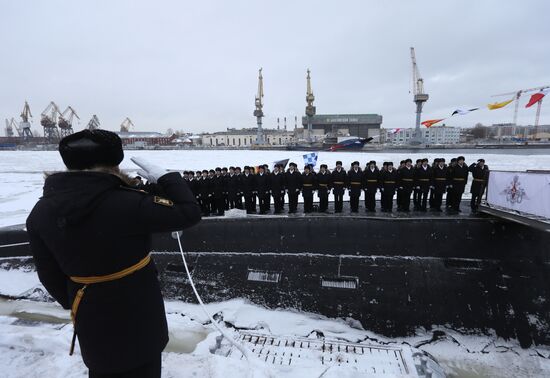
{"x": 21, "y": 172}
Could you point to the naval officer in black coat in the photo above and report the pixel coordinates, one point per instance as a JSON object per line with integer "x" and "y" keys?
{"x": 92, "y": 223}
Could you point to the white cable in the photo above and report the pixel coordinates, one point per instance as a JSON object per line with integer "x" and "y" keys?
{"x": 236, "y": 344}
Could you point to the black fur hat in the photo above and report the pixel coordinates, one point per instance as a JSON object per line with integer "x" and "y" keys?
{"x": 91, "y": 148}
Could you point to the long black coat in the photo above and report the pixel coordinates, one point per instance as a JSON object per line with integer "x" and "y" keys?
{"x": 339, "y": 181}
{"x": 92, "y": 224}
{"x": 293, "y": 181}
{"x": 480, "y": 177}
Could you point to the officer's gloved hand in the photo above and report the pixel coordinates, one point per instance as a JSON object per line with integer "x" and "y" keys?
{"x": 149, "y": 170}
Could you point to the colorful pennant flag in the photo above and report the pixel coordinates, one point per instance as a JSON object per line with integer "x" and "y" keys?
{"x": 429, "y": 123}
{"x": 536, "y": 98}
{"x": 394, "y": 131}
{"x": 463, "y": 112}
{"x": 498, "y": 105}
{"x": 283, "y": 162}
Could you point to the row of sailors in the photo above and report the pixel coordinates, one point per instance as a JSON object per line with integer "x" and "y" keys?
{"x": 222, "y": 189}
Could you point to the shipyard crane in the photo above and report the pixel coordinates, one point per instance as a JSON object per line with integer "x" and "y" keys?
{"x": 419, "y": 99}
{"x": 310, "y": 108}
{"x": 49, "y": 122}
{"x": 126, "y": 125}
{"x": 66, "y": 121}
{"x": 93, "y": 124}
{"x": 258, "y": 111}
{"x": 9, "y": 129}
{"x": 517, "y": 95}
{"x": 25, "y": 125}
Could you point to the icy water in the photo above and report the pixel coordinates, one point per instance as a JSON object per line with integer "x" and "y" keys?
{"x": 21, "y": 172}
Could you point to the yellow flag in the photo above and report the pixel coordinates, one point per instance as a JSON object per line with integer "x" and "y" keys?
{"x": 498, "y": 105}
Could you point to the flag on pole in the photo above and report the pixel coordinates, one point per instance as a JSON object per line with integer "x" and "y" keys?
{"x": 463, "y": 112}
{"x": 394, "y": 131}
{"x": 536, "y": 98}
{"x": 311, "y": 159}
{"x": 498, "y": 105}
{"x": 282, "y": 162}
{"x": 430, "y": 122}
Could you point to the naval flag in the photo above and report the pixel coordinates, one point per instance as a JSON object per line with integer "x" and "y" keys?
{"x": 463, "y": 112}
{"x": 536, "y": 98}
{"x": 311, "y": 159}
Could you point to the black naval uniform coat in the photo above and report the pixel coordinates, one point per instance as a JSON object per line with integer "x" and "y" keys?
{"x": 92, "y": 224}
{"x": 370, "y": 184}
{"x": 422, "y": 182}
{"x": 439, "y": 182}
{"x": 263, "y": 186}
{"x": 248, "y": 183}
{"x": 233, "y": 187}
{"x": 308, "y": 187}
{"x": 355, "y": 184}
{"x": 324, "y": 183}
{"x": 480, "y": 178}
{"x": 388, "y": 183}
{"x": 406, "y": 182}
{"x": 339, "y": 183}
{"x": 293, "y": 183}
{"x": 278, "y": 190}
{"x": 458, "y": 178}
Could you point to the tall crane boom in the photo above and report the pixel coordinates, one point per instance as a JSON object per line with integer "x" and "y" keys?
{"x": 25, "y": 125}
{"x": 49, "y": 122}
{"x": 66, "y": 121}
{"x": 258, "y": 109}
{"x": 419, "y": 99}
{"x": 93, "y": 124}
{"x": 126, "y": 125}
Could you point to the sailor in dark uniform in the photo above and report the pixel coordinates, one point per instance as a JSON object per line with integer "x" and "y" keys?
{"x": 90, "y": 236}
{"x": 197, "y": 189}
{"x": 263, "y": 187}
{"x": 399, "y": 189}
{"x": 225, "y": 176}
{"x": 239, "y": 198}
{"x": 355, "y": 182}
{"x": 370, "y": 185}
{"x": 422, "y": 181}
{"x": 480, "y": 174}
{"x": 438, "y": 183}
{"x": 458, "y": 179}
{"x": 277, "y": 188}
{"x": 293, "y": 184}
{"x": 205, "y": 193}
{"x": 405, "y": 183}
{"x": 308, "y": 187}
{"x": 388, "y": 183}
{"x": 450, "y": 195}
{"x": 248, "y": 183}
{"x": 232, "y": 185}
{"x": 323, "y": 187}
{"x": 339, "y": 183}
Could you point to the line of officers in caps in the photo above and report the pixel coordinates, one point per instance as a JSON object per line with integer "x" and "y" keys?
{"x": 221, "y": 189}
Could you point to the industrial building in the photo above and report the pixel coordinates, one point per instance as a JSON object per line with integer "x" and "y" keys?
{"x": 432, "y": 135}
{"x": 144, "y": 139}
{"x": 356, "y": 125}
{"x": 246, "y": 137}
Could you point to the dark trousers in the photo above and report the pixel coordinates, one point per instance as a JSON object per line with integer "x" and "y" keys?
{"x": 437, "y": 200}
{"x": 323, "y": 200}
{"x": 263, "y": 200}
{"x": 239, "y": 202}
{"x": 292, "y": 200}
{"x": 232, "y": 201}
{"x": 405, "y": 199}
{"x": 476, "y": 198}
{"x": 423, "y": 200}
{"x": 370, "y": 199}
{"x": 450, "y": 198}
{"x": 399, "y": 198}
{"x": 226, "y": 202}
{"x": 417, "y": 194}
{"x": 387, "y": 199}
{"x": 278, "y": 201}
{"x": 338, "y": 201}
{"x": 431, "y": 198}
{"x": 308, "y": 201}
{"x": 354, "y": 200}
{"x": 219, "y": 206}
{"x": 149, "y": 370}
{"x": 457, "y": 197}
{"x": 250, "y": 203}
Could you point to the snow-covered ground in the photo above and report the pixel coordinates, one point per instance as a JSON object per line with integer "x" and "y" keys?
{"x": 35, "y": 336}
{"x": 21, "y": 172}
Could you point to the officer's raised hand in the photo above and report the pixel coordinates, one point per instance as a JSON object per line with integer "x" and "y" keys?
{"x": 149, "y": 170}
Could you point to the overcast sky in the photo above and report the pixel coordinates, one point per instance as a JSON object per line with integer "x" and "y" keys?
{"x": 193, "y": 65}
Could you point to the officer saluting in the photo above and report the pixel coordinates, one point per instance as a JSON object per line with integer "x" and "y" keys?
{"x": 90, "y": 236}
{"x": 480, "y": 174}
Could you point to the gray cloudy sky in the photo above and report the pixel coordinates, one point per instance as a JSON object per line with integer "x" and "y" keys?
{"x": 193, "y": 65}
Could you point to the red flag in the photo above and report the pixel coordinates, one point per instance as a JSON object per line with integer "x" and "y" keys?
{"x": 536, "y": 98}
{"x": 429, "y": 123}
